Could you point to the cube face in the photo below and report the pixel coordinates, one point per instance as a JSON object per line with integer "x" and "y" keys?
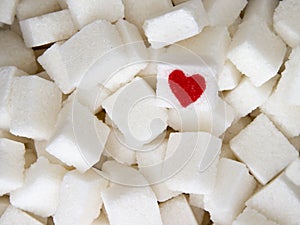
{"x": 40, "y": 191}
{"x": 233, "y": 187}
{"x": 13, "y": 215}
{"x": 195, "y": 171}
{"x": 12, "y": 161}
{"x": 177, "y": 211}
{"x": 229, "y": 77}
{"x": 68, "y": 139}
{"x": 275, "y": 198}
{"x": 266, "y": 142}
{"x": 44, "y": 98}
{"x": 190, "y": 18}
{"x": 75, "y": 207}
{"x": 132, "y": 109}
{"x": 246, "y": 97}
{"x": 285, "y": 17}
{"x": 85, "y": 12}
{"x": 259, "y": 49}
{"x": 15, "y": 53}
{"x": 47, "y": 28}
{"x": 250, "y": 216}
{"x": 223, "y": 12}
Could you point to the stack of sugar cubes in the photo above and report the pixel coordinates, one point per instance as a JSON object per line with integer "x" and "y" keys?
{"x": 150, "y": 112}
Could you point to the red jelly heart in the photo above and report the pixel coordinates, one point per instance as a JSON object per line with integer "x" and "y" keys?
{"x": 186, "y": 89}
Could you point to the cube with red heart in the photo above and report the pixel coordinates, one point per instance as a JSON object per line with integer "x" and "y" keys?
{"x": 186, "y": 86}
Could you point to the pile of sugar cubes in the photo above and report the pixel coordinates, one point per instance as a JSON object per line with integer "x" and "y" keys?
{"x": 149, "y": 112}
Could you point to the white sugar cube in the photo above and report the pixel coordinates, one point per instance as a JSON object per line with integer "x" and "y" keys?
{"x": 285, "y": 22}
{"x": 85, "y": 12}
{"x": 261, "y": 63}
{"x": 7, "y": 74}
{"x": 290, "y": 79}
{"x": 229, "y": 77}
{"x": 177, "y": 212}
{"x": 180, "y": 22}
{"x": 215, "y": 120}
{"x": 281, "y": 113}
{"x": 211, "y": 45}
{"x": 279, "y": 201}
{"x": 117, "y": 148}
{"x": 235, "y": 128}
{"x": 137, "y": 11}
{"x": 40, "y": 191}
{"x": 246, "y": 97}
{"x": 218, "y": 16}
{"x": 12, "y": 163}
{"x": 251, "y": 216}
{"x": 134, "y": 200}
{"x": 35, "y": 103}
{"x": 15, "y": 53}
{"x": 80, "y": 198}
{"x": 66, "y": 67}
{"x": 132, "y": 109}
{"x": 262, "y": 10}
{"x": 292, "y": 172}
{"x": 234, "y": 185}
{"x": 70, "y": 145}
{"x": 8, "y": 11}
{"x": 48, "y": 28}
{"x": 32, "y": 8}
{"x": 14, "y": 215}
{"x": 266, "y": 143}
{"x": 191, "y": 162}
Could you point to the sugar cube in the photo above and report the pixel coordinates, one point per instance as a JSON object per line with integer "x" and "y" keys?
{"x": 134, "y": 199}
{"x": 12, "y": 163}
{"x": 13, "y": 215}
{"x": 8, "y": 11}
{"x": 44, "y": 99}
{"x": 246, "y": 97}
{"x": 234, "y": 185}
{"x": 255, "y": 40}
{"x": 48, "y": 28}
{"x": 32, "y": 8}
{"x": 40, "y": 191}
{"x": 70, "y": 145}
{"x": 217, "y": 13}
{"x": 80, "y": 198}
{"x": 85, "y": 12}
{"x": 266, "y": 143}
{"x": 15, "y": 53}
{"x": 7, "y": 74}
{"x": 68, "y": 68}
{"x": 279, "y": 200}
{"x": 285, "y": 22}
{"x": 191, "y": 162}
{"x": 132, "y": 108}
{"x": 177, "y": 211}
{"x": 178, "y": 23}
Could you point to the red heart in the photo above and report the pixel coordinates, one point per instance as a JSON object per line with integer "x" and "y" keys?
{"x": 186, "y": 89}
